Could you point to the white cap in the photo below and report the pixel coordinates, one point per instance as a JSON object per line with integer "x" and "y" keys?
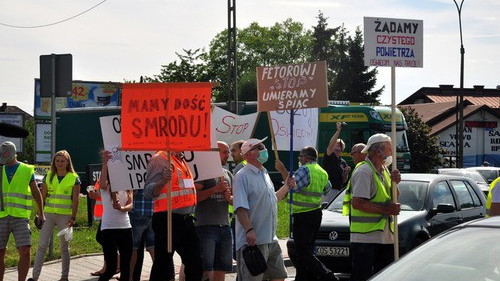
{"x": 249, "y": 144}
{"x": 375, "y": 139}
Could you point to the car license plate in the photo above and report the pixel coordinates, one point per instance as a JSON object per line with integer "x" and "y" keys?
{"x": 332, "y": 251}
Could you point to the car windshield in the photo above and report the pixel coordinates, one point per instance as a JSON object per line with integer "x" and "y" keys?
{"x": 489, "y": 175}
{"x": 411, "y": 196}
{"x": 464, "y": 254}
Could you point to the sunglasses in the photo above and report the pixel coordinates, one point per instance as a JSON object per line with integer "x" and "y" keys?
{"x": 259, "y": 147}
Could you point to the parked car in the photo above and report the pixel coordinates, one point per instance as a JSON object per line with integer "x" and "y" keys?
{"x": 475, "y": 175}
{"x": 488, "y": 173}
{"x": 466, "y": 252}
{"x": 430, "y": 204}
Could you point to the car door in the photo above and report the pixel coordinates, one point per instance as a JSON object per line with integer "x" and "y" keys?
{"x": 468, "y": 201}
{"x": 439, "y": 222}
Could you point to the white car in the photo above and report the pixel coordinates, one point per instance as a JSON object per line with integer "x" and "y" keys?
{"x": 488, "y": 173}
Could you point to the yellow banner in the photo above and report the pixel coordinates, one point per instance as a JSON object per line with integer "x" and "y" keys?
{"x": 343, "y": 117}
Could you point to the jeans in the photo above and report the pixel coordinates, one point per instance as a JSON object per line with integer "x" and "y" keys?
{"x": 305, "y": 228}
{"x": 184, "y": 241}
{"x": 113, "y": 240}
{"x": 370, "y": 258}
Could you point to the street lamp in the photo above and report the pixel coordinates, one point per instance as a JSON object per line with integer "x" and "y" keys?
{"x": 460, "y": 116}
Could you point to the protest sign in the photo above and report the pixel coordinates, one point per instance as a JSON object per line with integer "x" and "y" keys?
{"x": 127, "y": 169}
{"x": 292, "y": 86}
{"x": 305, "y": 128}
{"x": 229, "y": 127}
{"x": 166, "y": 116}
{"x": 393, "y": 42}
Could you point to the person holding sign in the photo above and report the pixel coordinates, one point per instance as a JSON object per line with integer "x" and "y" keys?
{"x": 371, "y": 228}
{"x": 334, "y": 165}
{"x": 17, "y": 189}
{"x": 255, "y": 202}
{"x": 115, "y": 226}
{"x": 212, "y": 221}
{"x": 311, "y": 183}
{"x": 161, "y": 170}
{"x": 60, "y": 191}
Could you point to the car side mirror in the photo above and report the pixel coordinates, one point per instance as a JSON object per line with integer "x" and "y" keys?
{"x": 445, "y": 208}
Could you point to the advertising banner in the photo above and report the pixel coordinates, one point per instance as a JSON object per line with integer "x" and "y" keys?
{"x": 393, "y": 42}
{"x": 166, "y": 116}
{"x": 293, "y": 86}
{"x": 305, "y": 128}
{"x": 43, "y": 143}
{"x": 83, "y": 94}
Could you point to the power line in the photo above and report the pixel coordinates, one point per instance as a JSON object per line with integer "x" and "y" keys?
{"x": 54, "y": 23}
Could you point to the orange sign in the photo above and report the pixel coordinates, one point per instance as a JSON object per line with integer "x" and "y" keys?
{"x": 166, "y": 116}
{"x": 292, "y": 86}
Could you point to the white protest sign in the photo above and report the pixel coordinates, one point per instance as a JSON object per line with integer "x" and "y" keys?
{"x": 229, "y": 127}
{"x": 204, "y": 164}
{"x": 127, "y": 169}
{"x": 305, "y": 128}
{"x": 393, "y": 42}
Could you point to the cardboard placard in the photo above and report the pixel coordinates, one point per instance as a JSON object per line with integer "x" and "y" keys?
{"x": 293, "y": 86}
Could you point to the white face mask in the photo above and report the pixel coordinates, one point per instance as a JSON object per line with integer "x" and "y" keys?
{"x": 388, "y": 161}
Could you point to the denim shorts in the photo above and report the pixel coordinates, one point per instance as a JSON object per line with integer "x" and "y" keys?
{"x": 141, "y": 229}
{"x": 216, "y": 244}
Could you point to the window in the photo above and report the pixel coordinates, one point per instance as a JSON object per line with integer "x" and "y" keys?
{"x": 475, "y": 197}
{"x": 442, "y": 194}
{"x": 464, "y": 196}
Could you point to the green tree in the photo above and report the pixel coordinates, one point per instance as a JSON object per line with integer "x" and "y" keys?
{"x": 29, "y": 142}
{"x": 424, "y": 148}
{"x": 348, "y": 78}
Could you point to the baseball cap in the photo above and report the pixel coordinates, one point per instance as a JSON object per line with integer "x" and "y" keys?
{"x": 375, "y": 139}
{"x": 7, "y": 151}
{"x": 249, "y": 144}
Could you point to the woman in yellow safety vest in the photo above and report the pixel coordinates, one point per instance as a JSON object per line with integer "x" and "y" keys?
{"x": 60, "y": 191}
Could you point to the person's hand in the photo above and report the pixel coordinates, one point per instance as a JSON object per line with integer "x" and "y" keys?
{"x": 116, "y": 202}
{"x": 290, "y": 182}
{"x": 70, "y": 222}
{"x": 94, "y": 194}
{"x": 392, "y": 209}
{"x": 227, "y": 194}
{"x": 167, "y": 174}
{"x": 221, "y": 187}
{"x": 347, "y": 169}
{"x": 251, "y": 237}
{"x": 339, "y": 125}
{"x": 105, "y": 156}
{"x": 278, "y": 165}
{"x": 396, "y": 176}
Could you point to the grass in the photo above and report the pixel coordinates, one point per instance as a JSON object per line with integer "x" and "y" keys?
{"x": 83, "y": 241}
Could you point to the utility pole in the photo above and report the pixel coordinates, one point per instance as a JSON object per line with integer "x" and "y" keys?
{"x": 232, "y": 69}
{"x": 460, "y": 120}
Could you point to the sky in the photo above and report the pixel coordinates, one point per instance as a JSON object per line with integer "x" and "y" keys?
{"x": 123, "y": 39}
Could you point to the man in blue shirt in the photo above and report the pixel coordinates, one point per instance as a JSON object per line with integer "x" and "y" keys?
{"x": 255, "y": 203}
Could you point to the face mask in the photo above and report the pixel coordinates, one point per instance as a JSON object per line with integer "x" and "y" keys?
{"x": 388, "y": 161}
{"x": 263, "y": 156}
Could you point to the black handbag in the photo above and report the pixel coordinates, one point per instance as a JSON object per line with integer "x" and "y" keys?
{"x": 254, "y": 260}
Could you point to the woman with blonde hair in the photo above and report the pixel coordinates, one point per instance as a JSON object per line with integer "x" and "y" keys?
{"x": 60, "y": 191}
